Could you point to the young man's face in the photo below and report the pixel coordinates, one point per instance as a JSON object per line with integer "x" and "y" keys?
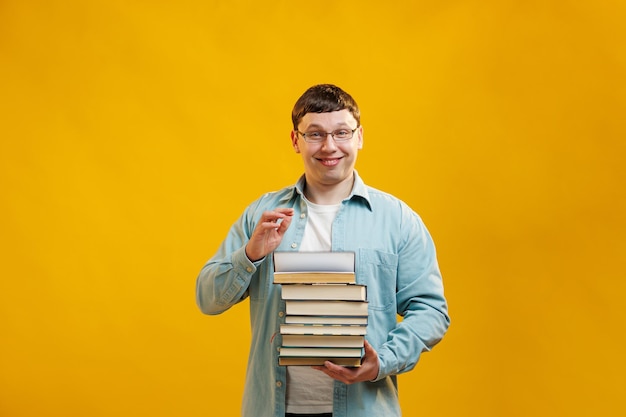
{"x": 328, "y": 163}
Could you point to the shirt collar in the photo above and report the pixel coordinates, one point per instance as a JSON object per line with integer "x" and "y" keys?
{"x": 359, "y": 190}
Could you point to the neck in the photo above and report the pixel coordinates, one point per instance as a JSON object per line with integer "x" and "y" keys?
{"x": 328, "y": 194}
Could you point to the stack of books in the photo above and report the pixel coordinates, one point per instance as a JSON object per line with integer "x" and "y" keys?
{"x": 326, "y": 310}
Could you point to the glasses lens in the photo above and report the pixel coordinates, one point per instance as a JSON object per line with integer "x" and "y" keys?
{"x": 313, "y": 137}
{"x": 318, "y": 136}
{"x": 342, "y": 134}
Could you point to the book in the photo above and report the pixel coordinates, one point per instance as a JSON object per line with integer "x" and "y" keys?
{"x": 315, "y": 352}
{"x": 314, "y": 261}
{"x": 308, "y": 329}
{"x": 336, "y": 320}
{"x": 326, "y": 307}
{"x": 314, "y": 277}
{"x": 352, "y": 292}
{"x": 342, "y": 341}
{"x": 326, "y": 310}
{"x": 318, "y": 361}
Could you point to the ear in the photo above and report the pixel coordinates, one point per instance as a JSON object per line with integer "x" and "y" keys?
{"x": 359, "y": 133}
{"x": 294, "y": 141}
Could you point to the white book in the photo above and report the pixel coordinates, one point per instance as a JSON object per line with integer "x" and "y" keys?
{"x": 324, "y": 292}
{"x": 308, "y": 329}
{"x": 336, "y": 320}
{"x": 326, "y": 308}
{"x": 319, "y": 360}
{"x": 314, "y": 261}
{"x": 307, "y": 277}
{"x": 321, "y": 351}
{"x": 343, "y": 341}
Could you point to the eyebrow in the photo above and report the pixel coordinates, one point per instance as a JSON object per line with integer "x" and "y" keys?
{"x": 339, "y": 126}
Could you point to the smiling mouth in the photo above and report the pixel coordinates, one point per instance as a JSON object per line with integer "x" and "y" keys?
{"x": 330, "y": 162}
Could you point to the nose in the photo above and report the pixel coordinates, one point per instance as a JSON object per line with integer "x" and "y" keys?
{"x": 329, "y": 142}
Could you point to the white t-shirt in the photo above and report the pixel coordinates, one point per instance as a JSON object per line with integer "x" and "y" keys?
{"x": 310, "y": 391}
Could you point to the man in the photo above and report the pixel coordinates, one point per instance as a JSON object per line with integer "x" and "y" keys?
{"x": 330, "y": 208}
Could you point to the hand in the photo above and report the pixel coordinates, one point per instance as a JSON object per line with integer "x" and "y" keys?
{"x": 268, "y": 233}
{"x": 368, "y": 370}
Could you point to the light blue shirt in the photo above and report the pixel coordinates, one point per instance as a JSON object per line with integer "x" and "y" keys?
{"x": 395, "y": 258}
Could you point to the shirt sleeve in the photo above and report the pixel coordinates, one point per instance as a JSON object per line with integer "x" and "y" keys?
{"x": 225, "y": 278}
{"x": 419, "y": 299}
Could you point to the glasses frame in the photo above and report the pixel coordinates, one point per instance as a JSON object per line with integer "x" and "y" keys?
{"x": 332, "y": 134}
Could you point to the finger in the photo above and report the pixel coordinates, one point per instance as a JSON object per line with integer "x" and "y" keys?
{"x": 334, "y": 368}
{"x": 370, "y": 362}
{"x": 271, "y": 222}
{"x": 369, "y": 350}
{"x": 328, "y": 371}
{"x": 276, "y": 215}
{"x": 284, "y": 224}
{"x": 341, "y": 373}
{"x": 284, "y": 210}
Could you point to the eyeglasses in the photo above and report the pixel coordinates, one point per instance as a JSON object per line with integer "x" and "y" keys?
{"x": 317, "y": 136}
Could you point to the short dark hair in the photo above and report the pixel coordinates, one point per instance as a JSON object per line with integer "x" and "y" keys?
{"x": 323, "y": 98}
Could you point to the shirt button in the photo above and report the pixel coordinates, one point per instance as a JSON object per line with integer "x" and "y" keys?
{"x": 249, "y": 269}
{"x": 303, "y": 215}
{"x": 279, "y": 384}
{"x": 280, "y": 314}
{"x": 294, "y": 245}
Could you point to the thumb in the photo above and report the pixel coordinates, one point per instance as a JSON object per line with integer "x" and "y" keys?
{"x": 284, "y": 224}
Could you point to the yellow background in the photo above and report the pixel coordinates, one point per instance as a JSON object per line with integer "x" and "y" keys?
{"x": 133, "y": 133}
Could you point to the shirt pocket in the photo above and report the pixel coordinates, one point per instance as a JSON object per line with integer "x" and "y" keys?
{"x": 378, "y": 270}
